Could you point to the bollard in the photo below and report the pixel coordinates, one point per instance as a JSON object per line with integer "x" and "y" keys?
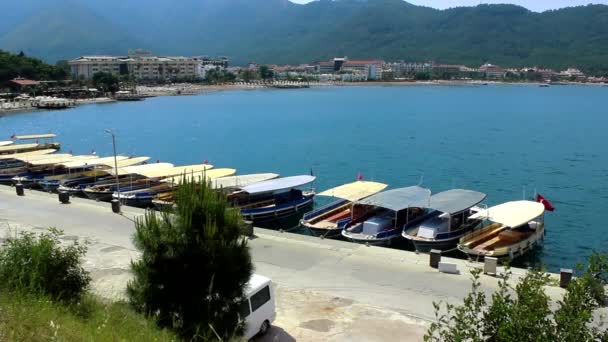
{"x": 247, "y": 228}
{"x": 489, "y": 265}
{"x": 565, "y": 276}
{"x": 435, "y": 258}
{"x": 64, "y": 197}
{"x": 115, "y": 206}
{"x": 19, "y": 189}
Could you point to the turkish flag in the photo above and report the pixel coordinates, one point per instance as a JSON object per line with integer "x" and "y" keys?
{"x": 545, "y": 202}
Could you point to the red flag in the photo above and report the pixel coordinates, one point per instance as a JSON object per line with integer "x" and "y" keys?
{"x": 545, "y": 202}
{"x": 359, "y": 176}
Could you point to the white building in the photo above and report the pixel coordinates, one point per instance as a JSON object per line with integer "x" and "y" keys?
{"x": 145, "y": 66}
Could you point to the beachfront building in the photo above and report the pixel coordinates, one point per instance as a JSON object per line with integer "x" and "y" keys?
{"x": 371, "y": 69}
{"x": 402, "y": 68}
{"x": 492, "y": 71}
{"x": 572, "y": 74}
{"x": 146, "y": 67}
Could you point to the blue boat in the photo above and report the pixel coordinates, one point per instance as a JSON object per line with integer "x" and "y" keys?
{"x": 379, "y": 219}
{"x": 274, "y": 203}
{"x": 447, "y": 220}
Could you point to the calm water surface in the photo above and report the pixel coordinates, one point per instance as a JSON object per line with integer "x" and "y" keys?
{"x": 502, "y": 140}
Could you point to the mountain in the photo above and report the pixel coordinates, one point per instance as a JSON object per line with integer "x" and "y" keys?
{"x": 278, "y": 31}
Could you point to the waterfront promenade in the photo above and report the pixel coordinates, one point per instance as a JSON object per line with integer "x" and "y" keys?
{"x": 326, "y": 290}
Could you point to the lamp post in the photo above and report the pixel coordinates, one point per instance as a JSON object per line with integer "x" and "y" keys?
{"x": 110, "y": 132}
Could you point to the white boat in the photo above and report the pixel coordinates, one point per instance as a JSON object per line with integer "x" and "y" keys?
{"x": 448, "y": 219}
{"x": 510, "y": 230}
{"x": 325, "y": 220}
{"x": 234, "y": 182}
{"x": 378, "y": 219}
{"x": 6, "y": 143}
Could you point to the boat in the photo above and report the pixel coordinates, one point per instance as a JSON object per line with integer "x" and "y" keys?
{"x": 324, "y": 220}
{"x": 40, "y": 168}
{"x": 380, "y": 218}
{"x": 143, "y": 198}
{"x": 226, "y": 184}
{"x": 509, "y": 230}
{"x": 6, "y": 143}
{"x": 29, "y": 147}
{"x": 25, "y": 154}
{"x": 275, "y": 203}
{"x": 448, "y": 219}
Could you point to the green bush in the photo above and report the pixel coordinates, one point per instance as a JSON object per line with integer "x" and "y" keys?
{"x": 39, "y": 265}
{"x": 194, "y": 265}
{"x": 525, "y": 312}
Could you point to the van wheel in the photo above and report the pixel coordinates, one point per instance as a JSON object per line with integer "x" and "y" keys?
{"x": 264, "y": 328}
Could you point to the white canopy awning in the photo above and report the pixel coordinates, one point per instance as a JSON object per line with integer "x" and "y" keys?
{"x": 512, "y": 214}
{"x": 354, "y": 191}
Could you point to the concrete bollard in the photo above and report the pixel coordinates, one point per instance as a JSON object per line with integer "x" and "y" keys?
{"x": 64, "y": 197}
{"x": 489, "y": 265}
{"x": 435, "y": 258}
{"x": 19, "y": 189}
{"x": 247, "y": 228}
{"x": 115, "y": 206}
{"x": 565, "y": 276}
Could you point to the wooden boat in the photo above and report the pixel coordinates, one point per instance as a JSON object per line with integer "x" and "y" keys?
{"x": 324, "y": 220}
{"x": 378, "y": 219}
{"x": 510, "y": 230}
{"x": 29, "y": 147}
{"x": 274, "y": 203}
{"x": 143, "y": 197}
{"x": 40, "y": 168}
{"x": 447, "y": 220}
{"x": 228, "y": 184}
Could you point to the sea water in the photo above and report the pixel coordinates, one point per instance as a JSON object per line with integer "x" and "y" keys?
{"x": 505, "y": 140}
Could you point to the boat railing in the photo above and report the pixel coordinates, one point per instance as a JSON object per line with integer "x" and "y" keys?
{"x": 324, "y": 209}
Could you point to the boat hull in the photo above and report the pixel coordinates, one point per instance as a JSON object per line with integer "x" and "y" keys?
{"x": 322, "y": 232}
{"x": 282, "y": 216}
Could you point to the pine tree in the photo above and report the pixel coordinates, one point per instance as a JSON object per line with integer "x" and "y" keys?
{"x": 194, "y": 265}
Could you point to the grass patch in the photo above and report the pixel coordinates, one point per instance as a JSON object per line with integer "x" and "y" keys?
{"x": 27, "y": 317}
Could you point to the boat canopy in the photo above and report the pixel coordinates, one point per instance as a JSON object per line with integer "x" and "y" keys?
{"x": 131, "y": 161}
{"x": 196, "y": 177}
{"x": 5, "y": 143}
{"x": 242, "y": 180}
{"x": 354, "y": 191}
{"x": 52, "y": 161}
{"x": 105, "y": 161}
{"x": 400, "y": 199}
{"x": 178, "y": 171}
{"x": 35, "y": 136}
{"x": 57, "y": 156}
{"x": 512, "y": 214}
{"x": 17, "y": 147}
{"x": 278, "y": 184}
{"x": 141, "y": 169}
{"x": 24, "y": 155}
{"x": 456, "y": 200}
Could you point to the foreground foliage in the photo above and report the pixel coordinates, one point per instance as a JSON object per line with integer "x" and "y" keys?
{"x": 28, "y": 317}
{"x": 38, "y": 264}
{"x": 194, "y": 265}
{"x": 524, "y": 313}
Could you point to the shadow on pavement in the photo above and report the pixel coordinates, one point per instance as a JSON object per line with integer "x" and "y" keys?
{"x": 275, "y": 334}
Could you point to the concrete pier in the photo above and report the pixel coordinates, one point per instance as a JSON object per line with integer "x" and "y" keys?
{"x": 327, "y": 290}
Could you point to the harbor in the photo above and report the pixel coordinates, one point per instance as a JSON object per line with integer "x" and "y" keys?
{"x": 325, "y": 287}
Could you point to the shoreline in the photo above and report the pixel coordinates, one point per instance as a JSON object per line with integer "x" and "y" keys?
{"x": 193, "y": 89}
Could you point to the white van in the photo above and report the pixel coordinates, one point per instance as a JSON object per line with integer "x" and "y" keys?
{"x": 258, "y": 311}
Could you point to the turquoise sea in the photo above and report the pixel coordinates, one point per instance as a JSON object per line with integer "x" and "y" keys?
{"x": 504, "y": 140}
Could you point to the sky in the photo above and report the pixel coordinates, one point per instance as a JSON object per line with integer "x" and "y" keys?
{"x": 534, "y": 5}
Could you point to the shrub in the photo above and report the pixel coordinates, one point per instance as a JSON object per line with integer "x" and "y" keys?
{"x": 524, "y": 313}
{"x": 194, "y": 265}
{"x": 39, "y": 265}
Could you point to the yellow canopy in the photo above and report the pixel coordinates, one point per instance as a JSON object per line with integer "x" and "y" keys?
{"x": 105, "y": 161}
{"x": 141, "y": 169}
{"x": 211, "y": 174}
{"x": 178, "y": 171}
{"x": 23, "y": 156}
{"x": 52, "y": 161}
{"x": 131, "y": 161}
{"x": 354, "y": 191}
{"x": 9, "y": 148}
{"x": 34, "y": 136}
{"x": 512, "y": 214}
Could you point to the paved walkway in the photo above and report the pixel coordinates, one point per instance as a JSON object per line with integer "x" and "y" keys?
{"x": 327, "y": 290}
